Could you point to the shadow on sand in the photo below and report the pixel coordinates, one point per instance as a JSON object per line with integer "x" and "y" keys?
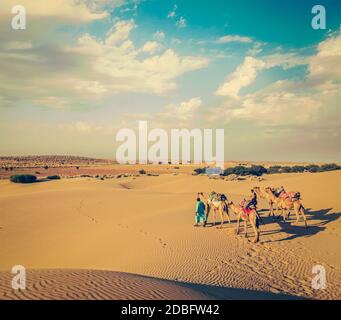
{"x": 324, "y": 216}
{"x": 227, "y": 293}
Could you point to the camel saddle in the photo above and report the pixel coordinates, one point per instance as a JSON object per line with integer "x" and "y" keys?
{"x": 289, "y": 195}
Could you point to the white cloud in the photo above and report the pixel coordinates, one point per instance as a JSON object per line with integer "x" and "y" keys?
{"x": 159, "y": 35}
{"x": 52, "y": 102}
{"x": 66, "y": 10}
{"x": 181, "y": 23}
{"x": 85, "y": 127}
{"x": 183, "y": 111}
{"x": 151, "y": 47}
{"x": 234, "y": 38}
{"x": 172, "y": 14}
{"x": 17, "y": 45}
{"x": 119, "y": 33}
{"x": 309, "y": 103}
{"x": 91, "y": 69}
{"x": 244, "y": 75}
{"x": 326, "y": 64}
{"x": 173, "y": 115}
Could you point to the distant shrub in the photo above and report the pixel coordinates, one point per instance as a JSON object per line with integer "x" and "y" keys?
{"x": 298, "y": 169}
{"x": 55, "y": 177}
{"x": 197, "y": 170}
{"x": 37, "y": 172}
{"x": 46, "y": 167}
{"x": 274, "y": 169}
{"x": 285, "y": 169}
{"x": 77, "y": 168}
{"x": 142, "y": 171}
{"x": 246, "y": 171}
{"x": 313, "y": 168}
{"x": 23, "y": 178}
{"x": 330, "y": 167}
{"x": 310, "y": 168}
{"x": 257, "y": 171}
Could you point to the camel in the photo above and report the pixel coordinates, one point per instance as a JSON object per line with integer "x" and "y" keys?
{"x": 247, "y": 215}
{"x": 295, "y": 204}
{"x": 263, "y": 194}
{"x": 216, "y": 202}
{"x": 288, "y": 201}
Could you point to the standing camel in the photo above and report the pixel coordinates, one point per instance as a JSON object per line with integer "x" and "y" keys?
{"x": 217, "y": 202}
{"x": 295, "y": 204}
{"x": 247, "y": 215}
{"x": 261, "y": 192}
{"x": 289, "y": 201}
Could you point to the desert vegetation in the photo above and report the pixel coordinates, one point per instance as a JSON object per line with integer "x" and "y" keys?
{"x": 23, "y": 178}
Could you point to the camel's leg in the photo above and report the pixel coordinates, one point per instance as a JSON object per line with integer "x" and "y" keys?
{"x": 304, "y": 216}
{"x": 245, "y": 228}
{"x": 226, "y": 209}
{"x": 283, "y": 214}
{"x": 271, "y": 211}
{"x": 207, "y": 214}
{"x": 253, "y": 221}
{"x": 221, "y": 211}
{"x": 238, "y": 223}
{"x": 297, "y": 215}
{"x": 277, "y": 210}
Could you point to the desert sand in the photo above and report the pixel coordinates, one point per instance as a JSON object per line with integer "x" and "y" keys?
{"x": 133, "y": 238}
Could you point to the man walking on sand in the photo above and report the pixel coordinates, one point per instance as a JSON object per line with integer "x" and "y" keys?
{"x": 199, "y": 213}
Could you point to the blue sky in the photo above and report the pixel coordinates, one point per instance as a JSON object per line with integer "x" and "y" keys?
{"x": 82, "y": 70}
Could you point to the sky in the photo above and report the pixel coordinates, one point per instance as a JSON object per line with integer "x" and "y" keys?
{"x": 84, "y": 69}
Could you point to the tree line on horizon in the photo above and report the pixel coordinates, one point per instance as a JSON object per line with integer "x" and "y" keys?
{"x": 258, "y": 170}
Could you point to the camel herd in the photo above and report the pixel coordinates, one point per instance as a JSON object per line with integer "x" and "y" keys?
{"x": 283, "y": 201}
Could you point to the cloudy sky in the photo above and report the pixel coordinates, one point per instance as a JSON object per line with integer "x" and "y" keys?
{"x": 83, "y": 69}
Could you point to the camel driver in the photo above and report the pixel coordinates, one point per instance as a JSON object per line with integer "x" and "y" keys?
{"x": 199, "y": 212}
{"x": 252, "y": 200}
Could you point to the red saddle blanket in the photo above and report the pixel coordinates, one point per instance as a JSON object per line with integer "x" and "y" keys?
{"x": 286, "y": 195}
{"x": 247, "y": 211}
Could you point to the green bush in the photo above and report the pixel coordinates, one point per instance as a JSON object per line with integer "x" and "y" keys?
{"x": 313, "y": 168}
{"x": 330, "y": 167}
{"x": 23, "y": 178}
{"x": 197, "y": 170}
{"x": 274, "y": 169}
{"x": 298, "y": 169}
{"x": 245, "y": 171}
{"x": 53, "y": 177}
{"x": 285, "y": 169}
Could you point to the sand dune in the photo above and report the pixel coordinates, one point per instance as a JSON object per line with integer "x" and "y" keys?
{"x": 93, "y": 285}
{"x": 144, "y": 226}
{"x": 64, "y": 284}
